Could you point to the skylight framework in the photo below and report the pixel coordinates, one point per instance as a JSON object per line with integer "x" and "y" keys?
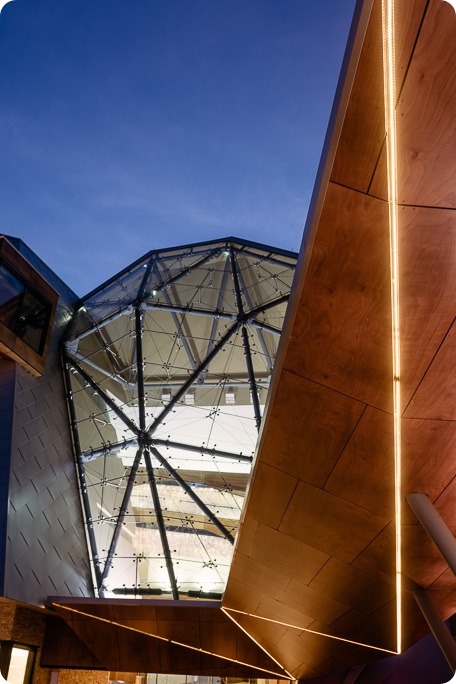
{"x": 167, "y": 368}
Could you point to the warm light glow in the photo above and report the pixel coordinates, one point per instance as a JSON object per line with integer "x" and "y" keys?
{"x": 278, "y": 675}
{"x": 306, "y": 629}
{"x": 391, "y": 148}
{"x": 253, "y": 639}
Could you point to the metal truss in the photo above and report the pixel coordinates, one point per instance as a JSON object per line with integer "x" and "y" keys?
{"x": 107, "y": 361}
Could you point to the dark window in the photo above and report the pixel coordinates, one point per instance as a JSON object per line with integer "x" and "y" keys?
{"x": 22, "y": 310}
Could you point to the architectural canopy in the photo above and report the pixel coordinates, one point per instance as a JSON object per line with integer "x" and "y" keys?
{"x": 168, "y": 366}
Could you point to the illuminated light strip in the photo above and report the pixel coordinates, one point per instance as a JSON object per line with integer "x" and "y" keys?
{"x": 391, "y": 149}
{"x": 238, "y": 624}
{"x": 306, "y": 629}
{"x": 172, "y": 641}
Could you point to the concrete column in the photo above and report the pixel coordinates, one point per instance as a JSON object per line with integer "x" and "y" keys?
{"x": 435, "y": 527}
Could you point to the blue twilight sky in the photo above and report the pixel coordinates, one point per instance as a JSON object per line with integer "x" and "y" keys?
{"x": 129, "y": 125}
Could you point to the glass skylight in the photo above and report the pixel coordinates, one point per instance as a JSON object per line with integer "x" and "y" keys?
{"x": 168, "y": 367}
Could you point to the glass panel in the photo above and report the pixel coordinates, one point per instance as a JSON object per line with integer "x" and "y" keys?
{"x": 22, "y": 311}
{"x": 32, "y": 322}
{"x": 200, "y": 419}
{"x": 11, "y": 291}
{"x": 190, "y": 679}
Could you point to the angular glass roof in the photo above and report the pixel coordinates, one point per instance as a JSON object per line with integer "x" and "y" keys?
{"x": 168, "y": 367}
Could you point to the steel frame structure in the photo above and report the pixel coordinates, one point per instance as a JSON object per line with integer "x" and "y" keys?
{"x": 241, "y": 304}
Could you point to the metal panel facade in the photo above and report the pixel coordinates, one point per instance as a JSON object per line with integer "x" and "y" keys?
{"x": 45, "y": 547}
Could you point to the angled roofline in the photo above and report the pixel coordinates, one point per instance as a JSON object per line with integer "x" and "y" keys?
{"x": 206, "y": 243}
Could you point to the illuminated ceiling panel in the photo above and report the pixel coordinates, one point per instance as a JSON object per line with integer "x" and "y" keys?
{"x": 168, "y": 367}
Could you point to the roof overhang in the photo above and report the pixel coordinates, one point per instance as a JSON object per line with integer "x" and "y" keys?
{"x": 317, "y": 577}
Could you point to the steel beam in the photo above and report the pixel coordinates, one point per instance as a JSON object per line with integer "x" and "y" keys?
{"x": 259, "y": 329}
{"x": 181, "y": 335}
{"x": 174, "y": 279}
{"x": 161, "y": 525}
{"x": 435, "y": 527}
{"x": 253, "y": 385}
{"x": 143, "y": 294}
{"x": 106, "y": 449}
{"x": 189, "y": 310}
{"x": 140, "y": 369}
{"x": 265, "y": 257}
{"x": 82, "y": 477}
{"x": 114, "y": 449}
{"x": 102, "y": 371}
{"x": 202, "y": 450}
{"x": 120, "y": 519}
{"x": 437, "y": 626}
{"x": 145, "y": 281}
{"x": 150, "y": 591}
{"x": 264, "y": 326}
{"x": 246, "y": 343}
{"x": 112, "y": 405}
{"x": 226, "y": 382}
{"x": 124, "y": 311}
{"x": 216, "y": 318}
{"x": 269, "y": 305}
{"x": 193, "y": 378}
{"x": 186, "y": 487}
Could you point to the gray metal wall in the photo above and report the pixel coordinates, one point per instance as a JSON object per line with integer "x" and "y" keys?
{"x": 45, "y": 547}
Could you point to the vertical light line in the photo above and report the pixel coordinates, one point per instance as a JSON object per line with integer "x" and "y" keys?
{"x": 391, "y": 147}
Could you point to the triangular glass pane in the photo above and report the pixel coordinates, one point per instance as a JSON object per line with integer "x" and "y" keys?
{"x": 206, "y": 287}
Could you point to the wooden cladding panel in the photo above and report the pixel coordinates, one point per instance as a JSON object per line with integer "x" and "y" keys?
{"x": 269, "y": 499}
{"x": 341, "y": 337}
{"x": 427, "y": 163}
{"x": 326, "y": 522}
{"x": 242, "y": 596}
{"x": 446, "y": 502}
{"x": 61, "y": 645}
{"x": 313, "y": 651}
{"x": 435, "y": 397}
{"x": 290, "y": 615}
{"x": 427, "y": 254}
{"x": 340, "y": 580}
{"x": 426, "y": 465}
{"x": 426, "y": 134}
{"x": 443, "y": 591}
{"x": 364, "y": 629}
{"x": 269, "y": 632}
{"x": 245, "y": 540}
{"x": 378, "y": 558}
{"x": 422, "y": 562}
{"x": 364, "y": 125}
{"x": 360, "y": 161}
{"x": 290, "y": 556}
{"x": 315, "y": 604}
{"x": 116, "y": 641}
{"x": 319, "y": 423}
{"x": 364, "y": 474}
{"x": 408, "y": 17}
{"x": 266, "y": 580}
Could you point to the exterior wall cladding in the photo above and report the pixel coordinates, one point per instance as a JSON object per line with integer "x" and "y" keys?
{"x": 43, "y": 548}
